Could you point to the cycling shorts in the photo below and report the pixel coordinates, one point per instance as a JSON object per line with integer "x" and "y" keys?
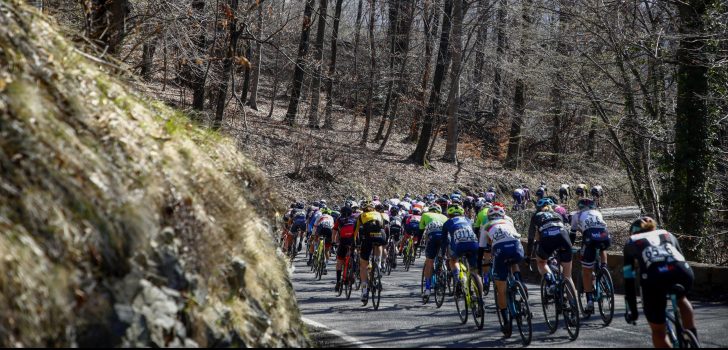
{"x": 469, "y": 250}
{"x": 298, "y": 226}
{"x": 327, "y": 234}
{"x": 560, "y": 243}
{"x": 437, "y": 242}
{"x": 344, "y": 244}
{"x": 657, "y": 285}
{"x": 594, "y": 239}
{"x": 369, "y": 241}
{"x": 518, "y": 198}
{"x": 504, "y": 255}
{"x": 395, "y": 232}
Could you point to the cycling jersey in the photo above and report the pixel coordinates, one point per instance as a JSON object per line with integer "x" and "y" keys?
{"x": 661, "y": 265}
{"x": 297, "y": 220}
{"x": 594, "y": 233}
{"x": 432, "y": 223}
{"x": 412, "y": 224}
{"x": 394, "y": 202}
{"x": 369, "y": 227}
{"x": 345, "y": 226}
{"x": 519, "y": 195}
{"x": 323, "y": 227}
{"x": 506, "y": 246}
{"x": 490, "y": 197}
{"x": 314, "y": 215}
{"x": 463, "y": 240}
{"x": 553, "y": 235}
{"x": 396, "y": 226}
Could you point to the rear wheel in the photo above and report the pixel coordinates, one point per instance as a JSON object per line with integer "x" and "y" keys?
{"x": 690, "y": 341}
{"x": 476, "y": 303}
{"x": 570, "y": 309}
{"x": 550, "y": 311}
{"x": 606, "y": 297}
{"x": 460, "y": 304}
{"x": 440, "y": 286}
{"x": 523, "y": 314}
{"x": 376, "y": 290}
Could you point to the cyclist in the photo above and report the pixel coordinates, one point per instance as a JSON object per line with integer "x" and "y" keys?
{"x": 314, "y": 212}
{"x": 541, "y": 192}
{"x": 564, "y": 193}
{"x": 323, "y": 228}
{"x": 548, "y": 231}
{"x": 468, "y": 204}
{"x": 519, "y": 197}
{"x": 463, "y": 241}
{"x": 581, "y": 190}
{"x": 369, "y": 228}
{"x": 662, "y": 266}
{"x": 504, "y": 241}
{"x": 396, "y": 227}
{"x": 344, "y": 237}
{"x": 526, "y": 193}
{"x": 297, "y": 223}
{"x": 597, "y": 192}
{"x": 442, "y": 202}
{"x": 412, "y": 229}
{"x": 595, "y": 235}
{"x": 431, "y": 225}
{"x": 394, "y": 201}
{"x": 490, "y": 196}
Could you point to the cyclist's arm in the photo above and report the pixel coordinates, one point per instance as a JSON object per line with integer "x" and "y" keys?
{"x": 628, "y": 271}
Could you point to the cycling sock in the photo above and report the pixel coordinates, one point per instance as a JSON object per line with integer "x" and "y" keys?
{"x": 549, "y": 277}
{"x": 589, "y": 297}
{"x": 456, "y": 273}
{"x": 517, "y": 275}
{"x": 428, "y": 283}
{"x": 504, "y": 314}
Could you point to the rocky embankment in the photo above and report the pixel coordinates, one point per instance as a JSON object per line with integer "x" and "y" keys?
{"x": 122, "y": 223}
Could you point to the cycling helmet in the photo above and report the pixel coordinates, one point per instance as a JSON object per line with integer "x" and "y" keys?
{"x": 491, "y": 189}
{"x": 416, "y": 211}
{"x": 367, "y": 205}
{"x": 496, "y": 212}
{"x": 335, "y": 208}
{"x": 326, "y": 211}
{"x": 293, "y": 205}
{"x": 375, "y": 198}
{"x": 322, "y": 202}
{"x": 586, "y": 203}
{"x": 544, "y": 202}
{"x": 393, "y": 211}
{"x": 643, "y": 224}
{"x": 354, "y": 205}
{"x": 379, "y": 207}
{"x": 300, "y": 205}
{"x": 435, "y": 209}
{"x": 479, "y": 205}
{"x": 346, "y": 211}
{"x": 455, "y": 210}
{"x": 540, "y": 192}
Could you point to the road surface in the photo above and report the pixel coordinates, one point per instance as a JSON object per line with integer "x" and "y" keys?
{"x": 402, "y": 320}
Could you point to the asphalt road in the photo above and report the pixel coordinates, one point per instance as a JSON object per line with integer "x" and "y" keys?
{"x": 403, "y": 321}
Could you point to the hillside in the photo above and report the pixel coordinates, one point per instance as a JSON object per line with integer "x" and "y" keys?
{"x": 123, "y": 223}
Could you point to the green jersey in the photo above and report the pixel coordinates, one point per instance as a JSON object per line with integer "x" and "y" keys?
{"x": 482, "y": 218}
{"x": 432, "y": 222}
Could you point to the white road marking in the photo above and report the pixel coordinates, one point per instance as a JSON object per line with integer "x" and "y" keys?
{"x": 351, "y": 340}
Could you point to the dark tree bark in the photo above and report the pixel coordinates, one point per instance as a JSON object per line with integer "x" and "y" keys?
{"x": 227, "y": 65}
{"x": 419, "y": 156}
{"x": 148, "y": 60}
{"x": 300, "y": 64}
{"x": 394, "y": 13}
{"x": 197, "y": 73}
{"x": 694, "y": 134}
{"x": 356, "y": 52}
{"x": 372, "y": 70}
{"x": 318, "y": 55}
{"x": 431, "y": 26}
{"x": 246, "y": 76}
{"x": 456, "y": 52}
{"x": 257, "y": 61}
{"x": 498, "y": 90}
{"x": 328, "y": 122}
{"x": 519, "y": 97}
{"x": 106, "y": 23}
{"x": 479, "y": 47}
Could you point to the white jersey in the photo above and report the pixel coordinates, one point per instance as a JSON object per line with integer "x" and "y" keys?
{"x": 565, "y": 187}
{"x": 587, "y": 220}
{"x": 519, "y": 192}
{"x": 502, "y": 231}
{"x": 406, "y": 205}
{"x": 324, "y": 221}
{"x": 394, "y": 201}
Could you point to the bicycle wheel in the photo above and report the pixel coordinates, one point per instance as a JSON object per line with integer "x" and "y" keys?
{"x": 580, "y": 295}
{"x": 460, "y": 304}
{"x": 690, "y": 341}
{"x": 570, "y": 309}
{"x": 406, "y": 259}
{"x": 501, "y": 321}
{"x": 440, "y": 287}
{"x": 376, "y": 289}
{"x": 349, "y": 278}
{"x": 606, "y": 296}
{"x": 550, "y": 310}
{"x": 476, "y": 303}
{"x": 523, "y": 313}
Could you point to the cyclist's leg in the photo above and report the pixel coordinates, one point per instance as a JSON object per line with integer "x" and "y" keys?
{"x": 473, "y": 266}
{"x": 366, "y": 251}
{"x": 659, "y": 335}
{"x": 588, "y": 258}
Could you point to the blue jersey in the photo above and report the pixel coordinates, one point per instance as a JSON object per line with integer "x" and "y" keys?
{"x": 460, "y": 230}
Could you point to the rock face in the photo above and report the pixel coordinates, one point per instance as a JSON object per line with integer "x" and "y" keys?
{"x": 122, "y": 223}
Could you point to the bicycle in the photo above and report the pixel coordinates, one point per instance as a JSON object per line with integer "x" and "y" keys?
{"x": 469, "y": 294}
{"x": 562, "y": 301}
{"x": 375, "y": 282}
{"x": 349, "y": 272}
{"x": 292, "y": 251}
{"x": 319, "y": 262}
{"x": 679, "y": 336}
{"x": 603, "y": 287}
{"x": 422, "y": 246}
{"x": 409, "y": 255}
{"x": 518, "y": 308}
{"x": 391, "y": 260}
{"x": 440, "y": 279}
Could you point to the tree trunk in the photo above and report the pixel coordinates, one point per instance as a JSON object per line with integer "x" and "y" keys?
{"x": 197, "y": 74}
{"x": 419, "y": 156}
{"x": 227, "y": 66}
{"x": 592, "y": 140}
{"x": 372, "y": 69}
{"x": 148, "y": 60}
{"x": 107, "y": 23}
{"x": 258, "y": 59}
{"x": 451, "y": 148}
{"x": 318, "y": 55}
{"x": 394, "y": 12}
{"x": 694, "y": 156}
{"x": 328, "y": 122}
{"x": 356, "y": 52}
{"x": 246, "y": 77}
{"x": 500, "y": 61}
{"x": 479, "y": 47}
{"x": 300, "y": 64}
{"x": 431, "y": 23}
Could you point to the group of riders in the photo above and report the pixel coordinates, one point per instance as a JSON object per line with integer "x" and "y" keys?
{"x": 476, "y": 227}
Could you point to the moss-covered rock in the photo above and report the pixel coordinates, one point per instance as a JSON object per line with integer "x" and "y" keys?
{"x": 121, "y": 222}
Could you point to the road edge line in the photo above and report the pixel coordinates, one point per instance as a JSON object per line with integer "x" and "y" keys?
{"x": 345, "y": 337}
